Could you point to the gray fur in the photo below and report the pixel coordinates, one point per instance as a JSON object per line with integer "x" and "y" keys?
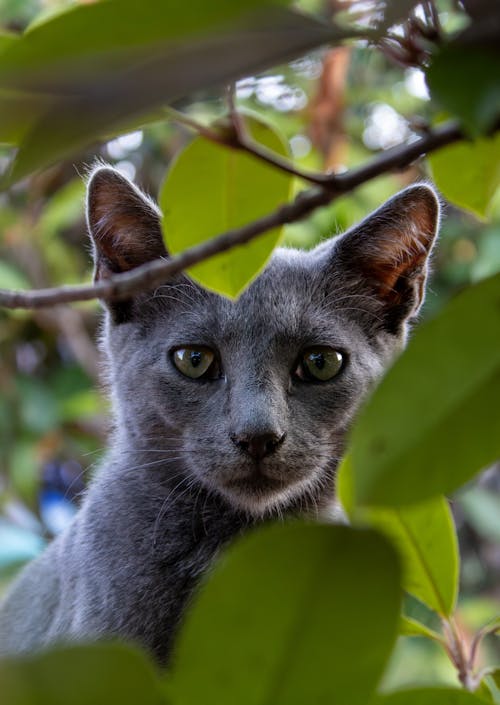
{"x": 173, "y": 488}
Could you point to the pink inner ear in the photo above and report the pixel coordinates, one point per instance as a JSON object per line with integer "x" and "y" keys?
{"x": 124, "y": 224}
{"x": 399, "y": 253}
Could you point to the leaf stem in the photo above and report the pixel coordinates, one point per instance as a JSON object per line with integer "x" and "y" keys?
{"x": 457, "y": 651}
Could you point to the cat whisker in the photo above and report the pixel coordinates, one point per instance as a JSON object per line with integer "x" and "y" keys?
{"x": 154, "y": 462}
{"x": 164, "y": 505}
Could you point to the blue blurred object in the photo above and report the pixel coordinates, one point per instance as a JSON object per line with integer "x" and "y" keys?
{"x": 61, "y": 484}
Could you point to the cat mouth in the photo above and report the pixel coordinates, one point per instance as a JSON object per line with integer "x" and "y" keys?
{"x": 258, "y": 483}
{"x": 257, "y": 492}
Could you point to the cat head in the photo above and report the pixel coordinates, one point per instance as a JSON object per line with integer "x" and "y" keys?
{"x": 253, "y": 398}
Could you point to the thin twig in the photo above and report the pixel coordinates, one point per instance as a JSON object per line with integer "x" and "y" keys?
{"x": 487, "y": 630}
{"x": 153, "y": 274}
{"x": 236, "y": 137}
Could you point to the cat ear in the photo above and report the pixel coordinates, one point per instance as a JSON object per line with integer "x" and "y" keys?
{"x": 123, "y": 223}
{"x": 388, "y": 252}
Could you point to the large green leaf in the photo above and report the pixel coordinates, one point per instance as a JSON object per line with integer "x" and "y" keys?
{"x": 101, "y": 66}
{"x": 428, "y": 696}
{"x": 293, "y": 614}
{"x": 468, "y": 173}
{"x": 230, "y": 188}
{"x": 434, "y": 421}
{"x": 473, "y": 64}
{"x": 425, "y": 537}
{"x": 81, "y": 675}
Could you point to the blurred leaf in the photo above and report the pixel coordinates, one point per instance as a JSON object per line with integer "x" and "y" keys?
{"x": 64, "y": 208}
{"x": 232, "y": 188}
{"x": 294, "y": 614}
{"x": 83, "y": 404}
{"x": 410, "y": 627}
{"x": 428, "y": 696}
{"x": 38, "y": 407}
{"x": 18, "y": 112}
{"x": 81, "y": 675}
{"x": 24, "y": 468}
{"x": 412, "y": 446}
{"x": 476, "y": 611}
{"x": 491, "y": 684}
{"x": 484, "y": 692}
{"x": 480, "y": 8}
{"x": 475, "y": 65}
{"x": 6, "y": 40}
{"x": 425, "y": 536}
{"x": 482, "y": 509}
{"x": 109, "y": 64}
{"x": 468, "y": 173}
{"x": 344, "y": 485}
{"x": 487, "y": 262}
{"x": 11, "y": 277}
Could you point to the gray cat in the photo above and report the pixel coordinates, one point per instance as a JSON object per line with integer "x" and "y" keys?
{"x": 226, "y": 413}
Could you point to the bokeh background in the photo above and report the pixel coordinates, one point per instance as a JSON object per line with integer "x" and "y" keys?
{"x": 336, "y": 108}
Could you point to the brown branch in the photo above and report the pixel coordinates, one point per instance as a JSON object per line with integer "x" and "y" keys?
{"x": 153, "y": 274}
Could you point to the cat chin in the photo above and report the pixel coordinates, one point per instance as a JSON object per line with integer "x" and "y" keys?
{"x": 265, "y": 502}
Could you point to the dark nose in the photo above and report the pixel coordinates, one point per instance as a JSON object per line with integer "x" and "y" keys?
{"x": 260, "y": 445}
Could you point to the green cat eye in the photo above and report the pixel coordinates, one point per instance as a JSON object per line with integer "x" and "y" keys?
{"x": 195, "y": 362}
{"x": 319, "y": 364}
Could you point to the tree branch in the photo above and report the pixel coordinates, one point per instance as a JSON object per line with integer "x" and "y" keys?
{"x": 153, "y": 274}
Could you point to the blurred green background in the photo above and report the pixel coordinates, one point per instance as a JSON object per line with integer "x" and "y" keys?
{"x": 336, "y": 108}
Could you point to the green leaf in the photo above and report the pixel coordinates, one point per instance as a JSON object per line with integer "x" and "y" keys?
{"x": 6, "y": 40}
{"x": 230, "y": 188}
{"x": 483, "y": 691}
{"x": 414, "y": 444}
{"x": 468, "y": 173}
{"x": 491, "y": 685}
{"x": 293, "y": 614}
{"x": 99, "y": 67}
{"x": 474, "y": 65}
{"x": 425, "y": 536}
{"x": 344, "y": 485}
{"x": 495, "y": 676}
{"x": 428, "y": 696}
{"x": 81, "y": 675}
{"x": 410, "y": 627}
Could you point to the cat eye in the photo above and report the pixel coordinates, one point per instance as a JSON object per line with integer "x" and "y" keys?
{"x": 319, "y": 364}
{"x": 196, "y": 362}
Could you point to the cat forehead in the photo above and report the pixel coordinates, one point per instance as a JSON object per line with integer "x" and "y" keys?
{"x": 290, "y": 280}
{"x": 276, "y": 301}
{"x": 287, "y": 293}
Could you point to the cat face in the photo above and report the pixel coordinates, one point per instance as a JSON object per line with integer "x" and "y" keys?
{"x": 254, "y": 397}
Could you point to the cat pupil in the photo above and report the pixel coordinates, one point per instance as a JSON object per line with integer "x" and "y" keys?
{"x": 195, "y": 358}
{"x": 318, "y": 359}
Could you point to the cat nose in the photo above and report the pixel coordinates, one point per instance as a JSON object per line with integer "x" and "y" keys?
{"x": 259, "y": 446}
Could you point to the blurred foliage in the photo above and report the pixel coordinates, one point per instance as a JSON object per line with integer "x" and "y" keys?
{"x": 336, "y": 108}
